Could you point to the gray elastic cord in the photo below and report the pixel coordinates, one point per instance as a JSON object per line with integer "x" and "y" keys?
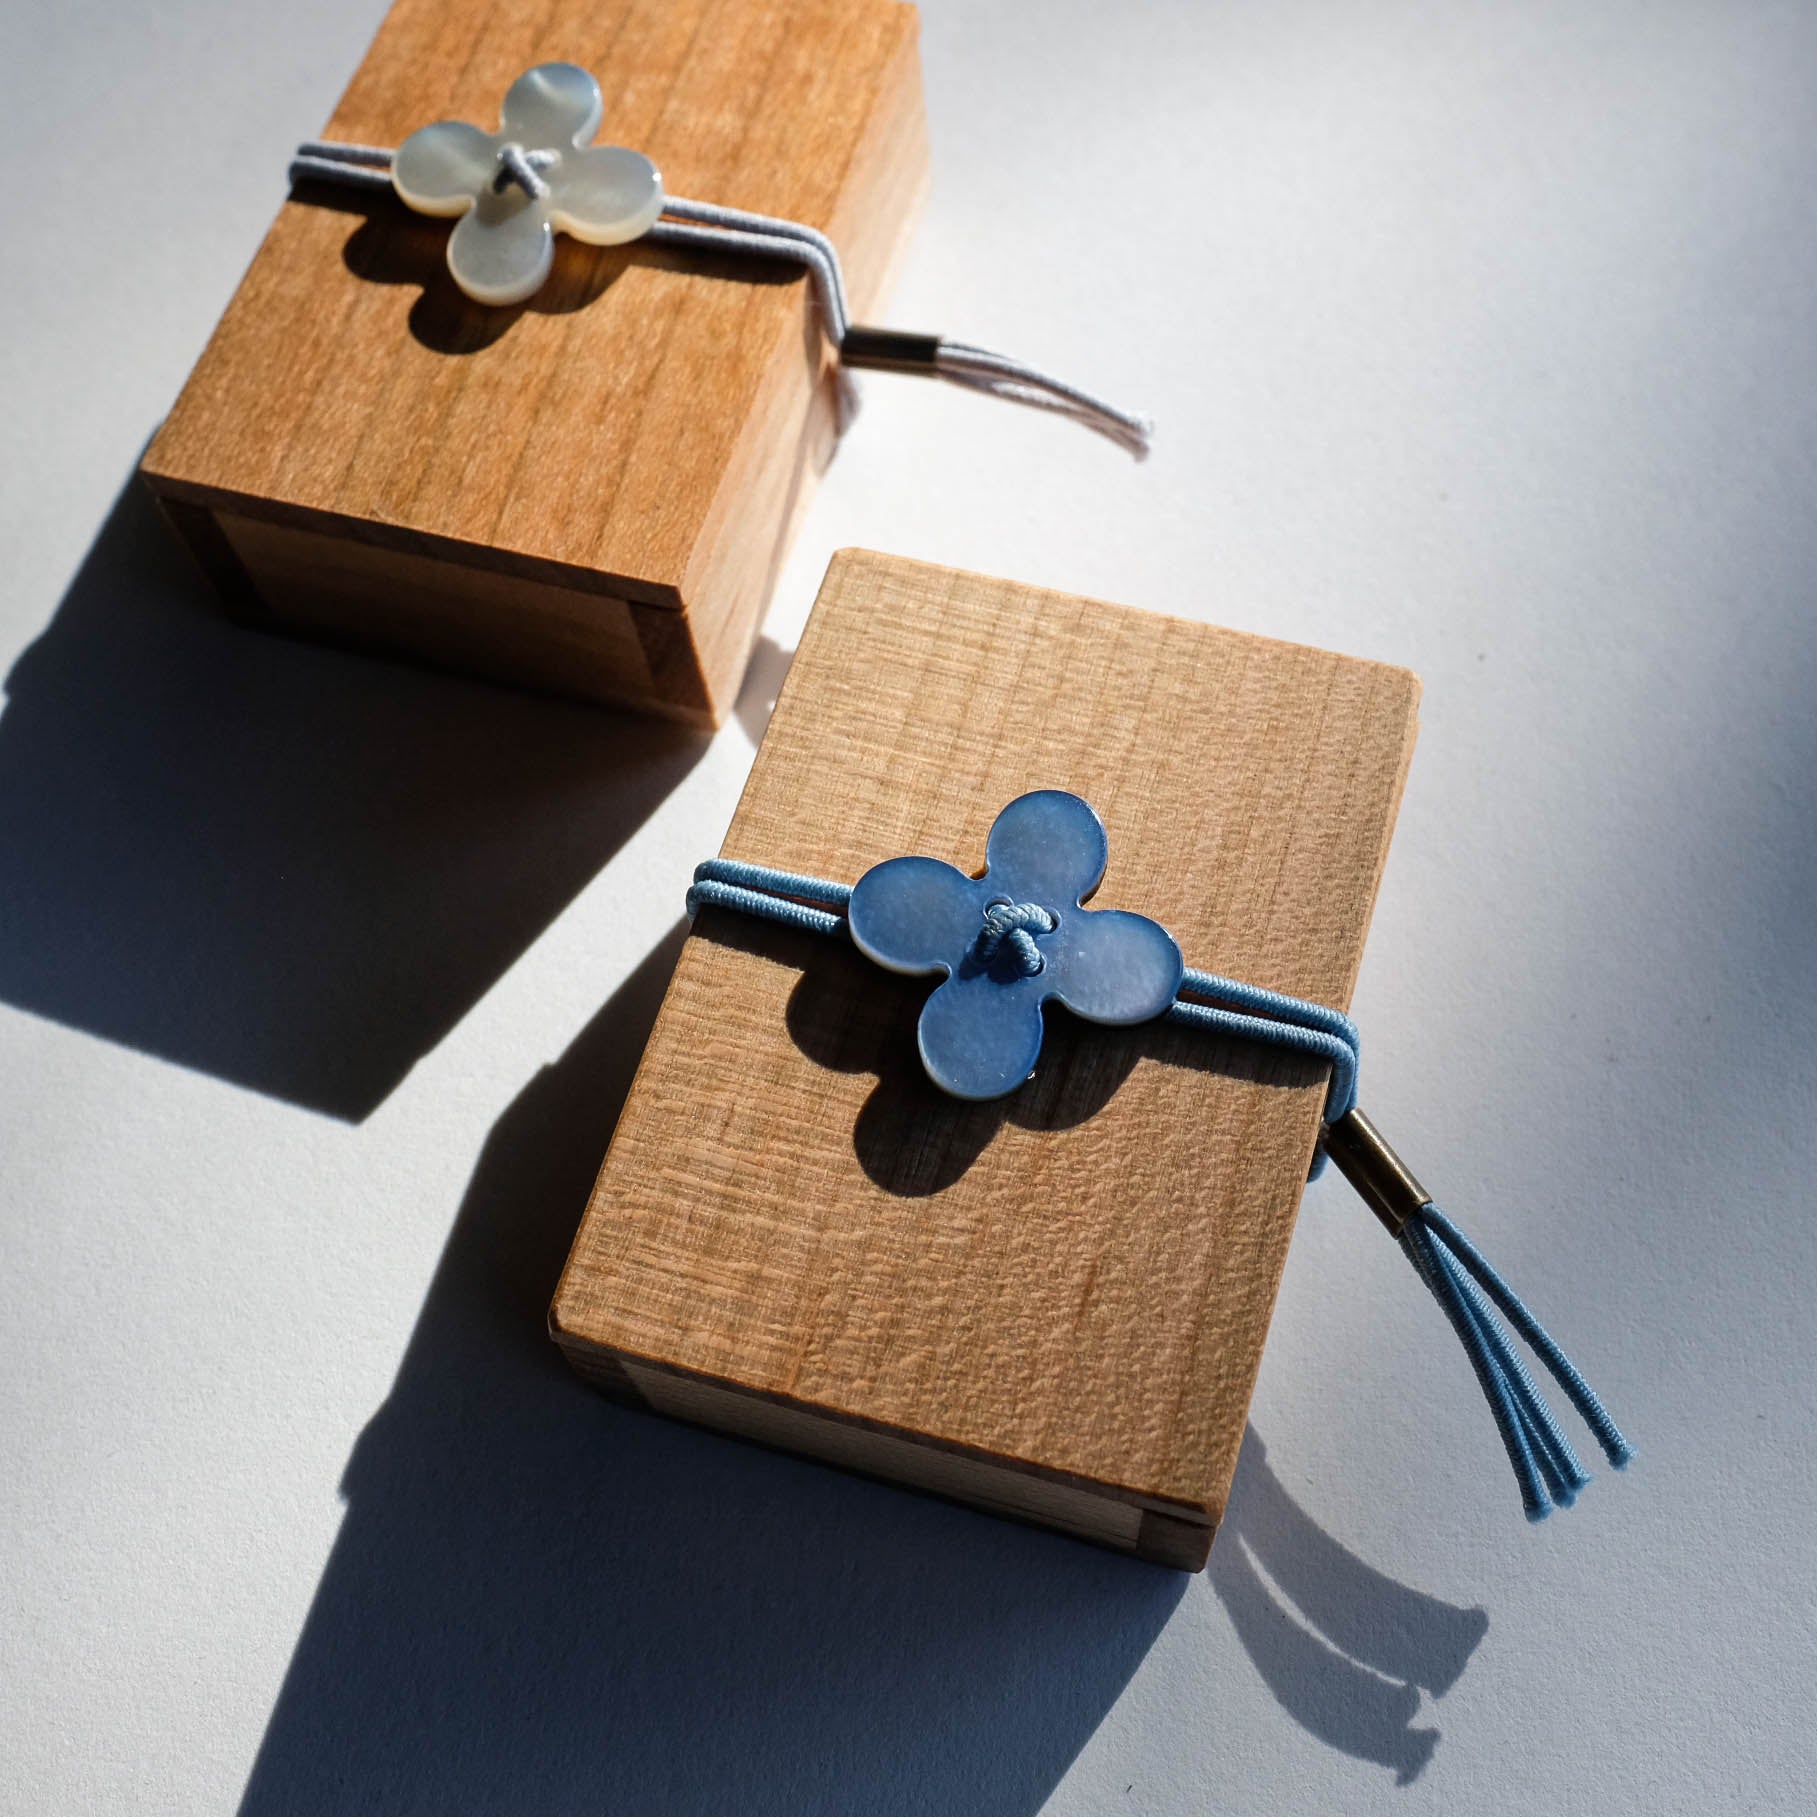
{"x": 818, "y": 254}
{"x": 997, "y": 376}
{"x": 359, "y": 166}
{"x": 697, "y": 229}
{"x": 707, "y": 227}
{"x": 751, "y": 243}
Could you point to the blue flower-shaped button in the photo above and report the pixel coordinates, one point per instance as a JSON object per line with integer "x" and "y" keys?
{"x": 1011, "y": 940}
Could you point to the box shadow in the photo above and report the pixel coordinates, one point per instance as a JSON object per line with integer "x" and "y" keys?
{"x": 287, "y": 866}
{"x": 539, "y": 1600}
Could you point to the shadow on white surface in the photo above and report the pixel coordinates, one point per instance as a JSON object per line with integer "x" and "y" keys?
{"x": 541, "y": 1601}
{"x": 763, "y": 679}
{"x": 1350, "y": 1670}
{"x": 286, "y": 866}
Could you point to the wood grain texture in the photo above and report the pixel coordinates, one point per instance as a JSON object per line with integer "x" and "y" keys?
{"x": 1074, "y": 1285}
{"x": 646, "y": 428}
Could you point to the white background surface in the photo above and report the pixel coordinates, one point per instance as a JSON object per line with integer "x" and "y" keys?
{"x": 1481, "y": 339}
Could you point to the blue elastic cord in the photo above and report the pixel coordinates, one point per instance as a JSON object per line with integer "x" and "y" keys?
{"x": 809, "y": 903}
{"x": 1290, "y": 1022}
{"x": 1464, "y": 1284}
{"x": 1566, "y": 1373}
{"x": 1459, "y": 1276}
{"x": 1244, "y": 1011}
{"x": 1422, "y": 1251}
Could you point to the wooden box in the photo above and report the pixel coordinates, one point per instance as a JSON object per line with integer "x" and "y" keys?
{"x": 1052, "y": 1306}
{"x": 589, "y": 492}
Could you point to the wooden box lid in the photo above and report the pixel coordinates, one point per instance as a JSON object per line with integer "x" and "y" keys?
{"x": 643, "y": 428}
{"x": 1053, "y": 1306}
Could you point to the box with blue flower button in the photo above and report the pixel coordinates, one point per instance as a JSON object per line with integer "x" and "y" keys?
{"x": 920, "y": 1175}
{"x": 554, "y": 442}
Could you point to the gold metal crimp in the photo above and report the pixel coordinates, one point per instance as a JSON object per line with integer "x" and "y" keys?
{"x": 1383, "y": 1179}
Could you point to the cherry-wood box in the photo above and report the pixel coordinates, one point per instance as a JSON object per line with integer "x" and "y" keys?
{"x": 589, "y": 492}
{"x": 1052, "y": 1306}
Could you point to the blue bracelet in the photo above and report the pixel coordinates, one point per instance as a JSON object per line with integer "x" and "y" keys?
{"x": 1008, "y": 942}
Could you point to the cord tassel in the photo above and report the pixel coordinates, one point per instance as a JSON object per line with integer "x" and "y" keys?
{"x": 1579, "y": 1392}
{"x": 1472, "y": 1293}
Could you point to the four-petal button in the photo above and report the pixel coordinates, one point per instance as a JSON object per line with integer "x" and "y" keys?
{"x": 1011, "y": 941}
{"x": 514, "y": 188}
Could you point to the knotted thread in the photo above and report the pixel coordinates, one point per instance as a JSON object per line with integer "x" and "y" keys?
{"x": 1014, "y": 925}
{"x": 524, "y": 168}
{"x": 1459, "y": 1276}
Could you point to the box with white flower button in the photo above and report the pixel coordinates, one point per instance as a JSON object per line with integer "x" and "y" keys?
{"x": 538, "y": 447}
{"x": 1013, "y": 1237}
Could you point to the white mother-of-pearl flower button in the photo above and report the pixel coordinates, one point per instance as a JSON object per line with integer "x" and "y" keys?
{"x": 514, "y": 188}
